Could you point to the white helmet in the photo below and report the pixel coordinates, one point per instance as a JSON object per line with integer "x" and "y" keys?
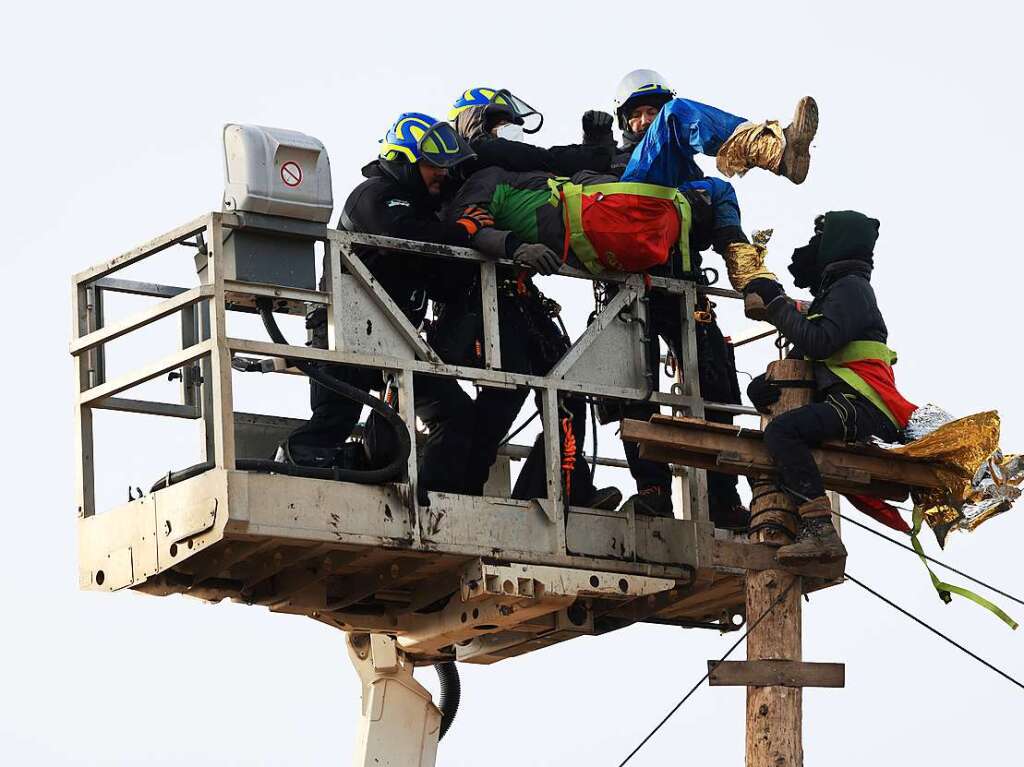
{"x": 639, "y": 84}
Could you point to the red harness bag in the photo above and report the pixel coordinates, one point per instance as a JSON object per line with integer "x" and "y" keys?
{"x": 629, "y": 232}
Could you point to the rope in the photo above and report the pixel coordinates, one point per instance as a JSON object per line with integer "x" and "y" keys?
{"x": 568, "y": 452}
{"x": 754, "y": 625}
{"x": 936, "y": 631}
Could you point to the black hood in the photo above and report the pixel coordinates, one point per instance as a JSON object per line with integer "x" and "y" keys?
{"x": 405, "y": 174}
{"x": 842, "y": 238}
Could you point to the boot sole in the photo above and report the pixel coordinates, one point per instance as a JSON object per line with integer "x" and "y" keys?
{"x": 796, "y": 159}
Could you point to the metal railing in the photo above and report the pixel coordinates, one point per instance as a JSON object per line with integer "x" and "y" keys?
{"x": 204, "y": 359}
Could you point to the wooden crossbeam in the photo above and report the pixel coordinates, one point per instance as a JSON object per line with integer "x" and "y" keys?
{"x": 856, "y": 469}
{"x": 759, "y": 556}
{"x": 784, "y": 673}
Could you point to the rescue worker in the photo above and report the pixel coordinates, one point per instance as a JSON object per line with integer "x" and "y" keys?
{"x": 855, "y": 391}
{"x": 401, "y": 197}
{"x": 626, "y": 227}
{"x": 494, "y": 121}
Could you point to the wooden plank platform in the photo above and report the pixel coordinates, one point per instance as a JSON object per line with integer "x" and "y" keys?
{"x": 852, "y": 469}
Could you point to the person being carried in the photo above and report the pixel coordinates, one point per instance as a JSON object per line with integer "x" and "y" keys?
{"x": 661, "y": 134}
{"x": 855, "y": 397}
{"x": 595, "y": 222}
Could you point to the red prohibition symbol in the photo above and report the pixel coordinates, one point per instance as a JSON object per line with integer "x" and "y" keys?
{"x": 291, "y": 174}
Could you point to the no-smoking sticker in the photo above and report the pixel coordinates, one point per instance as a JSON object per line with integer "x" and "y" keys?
{"x": 291, "y": 174}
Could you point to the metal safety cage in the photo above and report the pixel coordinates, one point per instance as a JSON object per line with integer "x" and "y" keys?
{"x": 338, "y": 551}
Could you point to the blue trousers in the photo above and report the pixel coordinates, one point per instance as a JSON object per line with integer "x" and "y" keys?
{"x": 664, "y": 156}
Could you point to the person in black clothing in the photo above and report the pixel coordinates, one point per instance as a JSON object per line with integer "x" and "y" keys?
{"x": 401, "y": 198}
{"x": 531, "y": 341}
{"x": 855, "y": 391}
{"x": 493, "y": 121}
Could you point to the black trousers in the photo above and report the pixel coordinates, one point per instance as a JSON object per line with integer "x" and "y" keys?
{"x": 442, "y": 405}
{"x": 531, "y": 343}
{"x": 841, "y": 414}
{"x": 717, "y": 373}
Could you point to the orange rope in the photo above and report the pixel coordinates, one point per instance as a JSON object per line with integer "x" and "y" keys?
{"x": 568, "y": 453}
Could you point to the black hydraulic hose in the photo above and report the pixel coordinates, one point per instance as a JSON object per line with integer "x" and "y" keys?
{"x": 393, "y": 470}
{"x": 264, "y": 465}
{"x": 451, "y": 692}
{"x": 396, "y": 467}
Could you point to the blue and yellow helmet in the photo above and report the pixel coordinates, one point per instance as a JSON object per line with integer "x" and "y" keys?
{"x": 415, "y": 136}
{"x": 499, "y": 101}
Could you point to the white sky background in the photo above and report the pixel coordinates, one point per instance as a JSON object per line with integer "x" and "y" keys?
{"x": 112, "y": 136}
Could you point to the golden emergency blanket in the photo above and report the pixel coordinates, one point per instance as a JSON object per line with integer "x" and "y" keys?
{"x": 979, "y": 481}
{"x": 752, "y": 145}
{"x": 745, "y": 262}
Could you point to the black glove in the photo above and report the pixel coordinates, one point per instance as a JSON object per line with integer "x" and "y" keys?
{"x": 540, "y": 258}
{"x": 758, "y": 294}
{"x": 597, "y": 127}
{"x": 767, "y": 290}
{"x": 763, "y": 393}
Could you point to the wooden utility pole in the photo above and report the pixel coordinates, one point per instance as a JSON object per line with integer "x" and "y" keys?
{"x": 775, "y": 713}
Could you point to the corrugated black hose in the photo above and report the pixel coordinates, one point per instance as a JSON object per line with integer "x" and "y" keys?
{"x": 393, "y": 470}
{"x": 451, "y": 692}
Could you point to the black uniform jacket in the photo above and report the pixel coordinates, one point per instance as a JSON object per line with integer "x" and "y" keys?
{"x": 844, "y": 308}
{"x": 521, "y": 157}
{"x": 394, "y": 202}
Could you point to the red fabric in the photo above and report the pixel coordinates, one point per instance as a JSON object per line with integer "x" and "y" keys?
{"x": 629, "y": 232}
{"x": 879, "y": 377}
{"x": 878, "y": 509}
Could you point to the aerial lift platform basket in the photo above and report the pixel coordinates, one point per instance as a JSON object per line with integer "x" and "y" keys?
{"x": 472, "y": 579}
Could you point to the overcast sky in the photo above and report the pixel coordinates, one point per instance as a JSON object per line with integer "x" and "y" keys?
{"x": 112, "y": 136}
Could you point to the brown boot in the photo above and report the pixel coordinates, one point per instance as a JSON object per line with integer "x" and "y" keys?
{"x": 796, "y": 158}
{"x": 817, "y": 540}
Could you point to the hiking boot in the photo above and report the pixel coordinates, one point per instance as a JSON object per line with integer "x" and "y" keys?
{"x": 607, "y": 499}
{"x": 796, "y": 157}
{"x": 653, "y": 501}
{"x": 817, "y": 540}
{"x": 735, "y": 518}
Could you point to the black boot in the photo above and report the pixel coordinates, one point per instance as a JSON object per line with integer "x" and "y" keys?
{"x": 606, "y": 499}
{"x": 653, "y": 501}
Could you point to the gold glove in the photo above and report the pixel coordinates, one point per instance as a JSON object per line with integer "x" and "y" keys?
{"x": 745, "y": 262}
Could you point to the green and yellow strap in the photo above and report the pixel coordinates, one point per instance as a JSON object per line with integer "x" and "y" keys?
{"x": 946, "y": 590}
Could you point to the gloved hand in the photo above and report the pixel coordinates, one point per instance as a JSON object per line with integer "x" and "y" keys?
{"x": 538, "y": 257}
{"x": 757, "y": 294}
{"x": 474, "y": 218}
{"x": 763, "y": 393}
{"x": 597, "y": 126}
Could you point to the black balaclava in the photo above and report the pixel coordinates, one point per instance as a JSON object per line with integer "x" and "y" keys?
{"x": 844, "y": 235}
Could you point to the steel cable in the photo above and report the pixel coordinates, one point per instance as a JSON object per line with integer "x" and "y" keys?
{"x": 930, "y": 559}
{"x": 701, "y": 681}
{"x": 935, "y": 631}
